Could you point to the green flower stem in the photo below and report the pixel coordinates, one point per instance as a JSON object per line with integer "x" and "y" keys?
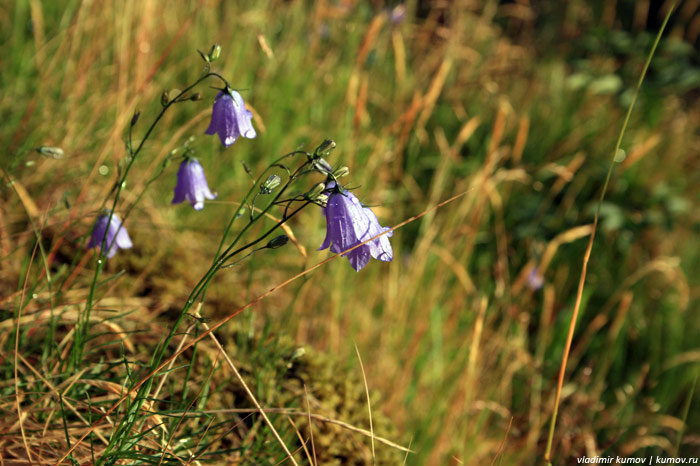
{"x": 199, "y": 290}
{"x": 82, "y": 324}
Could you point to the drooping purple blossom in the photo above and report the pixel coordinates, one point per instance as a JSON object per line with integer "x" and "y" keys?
{"x": 192, "y": 185}
{"x": 398, "y": 14}
{"x": 230, "y": 119}
{"x": 348, "y": 224}
{"x": 535, "y": 280}
{"x": 117, "y": 236}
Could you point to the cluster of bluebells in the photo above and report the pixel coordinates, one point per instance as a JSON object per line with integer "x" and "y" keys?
{"x": 230, "y": 119}
{"x": 349, "y": 224}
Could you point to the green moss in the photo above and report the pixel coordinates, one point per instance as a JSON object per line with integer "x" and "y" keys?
{"x": 334, "y": 391}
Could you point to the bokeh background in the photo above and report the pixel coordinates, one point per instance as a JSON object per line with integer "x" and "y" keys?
{"x": 516, "y": 103}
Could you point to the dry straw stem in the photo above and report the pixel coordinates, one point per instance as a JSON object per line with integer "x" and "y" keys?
{"x": 503, "y": 442}
{"x": 241, "y": 309}
{"x": 369, "y": 406}
{"x": 248, "y": 391}
{"x": 301, "y": 439}
{"x": 18, "y": 395}
{"x": 53, "y": 389}
{"x": 311, "y": 431}
{"x": 318, "y": 417}
{"x": 182, "y": 418}
{"x": 591, "y": 239}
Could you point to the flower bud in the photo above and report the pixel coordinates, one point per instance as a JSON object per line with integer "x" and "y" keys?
{"x": 341, "y": 172}
{"x": 298, "y": 353}
{"x": 322, "y": 199}
{"x": 196, "y": 96}
{"x": 270, "y": 184}
{"x": 50, "y": 152}
{"x": 398, "y": 14}
{"x": 316, "y": 191}
{"x": 246, "y": 168}
{"x": 135, "y": 118}
{"x": 214, "y": 52}
{"x": 325, "y": 147}
{"x": 167, "y": 96}
{"x": 321, "y": 165}
{"x": 278, "y": 242}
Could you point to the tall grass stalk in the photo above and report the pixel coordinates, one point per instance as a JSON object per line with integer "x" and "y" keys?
{"x": 686, "y": 410}
{"x": 591, "y": 239}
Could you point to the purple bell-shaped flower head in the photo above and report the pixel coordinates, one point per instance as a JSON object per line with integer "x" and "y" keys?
{"x": 348, "y": 224}
{"x": 117, "y": 236}
{"x": 192, "y": 185}
{"x": 535, "y": 280}
{"x": 230, "y": 119}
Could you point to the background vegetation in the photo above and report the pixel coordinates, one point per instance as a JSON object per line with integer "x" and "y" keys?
{"x": 518, "y": 105}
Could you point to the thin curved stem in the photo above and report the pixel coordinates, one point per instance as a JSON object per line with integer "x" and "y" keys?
{"x": 589, "y": 247}
{"x": 199, "y": 290}
{"x": 81, "y": 331}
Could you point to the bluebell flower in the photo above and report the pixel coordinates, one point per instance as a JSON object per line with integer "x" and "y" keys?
{"x": 230, "y": 119}
{"x": 398, "y": 14}
{"x": 117, "y": 236}
{"x": 348, "y": 224}
{"x": 535, "y": 280}
{"x": 192, "y": 185}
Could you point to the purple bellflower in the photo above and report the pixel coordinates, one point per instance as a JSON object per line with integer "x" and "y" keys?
{"x": 192, "y": 185}
{"x": 230, "y": 119}
{"x": 398, "y": 14}
{"x": 348, "y": 224}
{"x": 117, "y": 237}
{"x": 535, "y": 280}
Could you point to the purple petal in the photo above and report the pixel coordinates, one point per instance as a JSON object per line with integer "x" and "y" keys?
{"x": 347, "y": 222}
{"x": 327, "y": 240}
{"x": 182, "y": 185}
{"x": 218, "y": 114}
{"x": 358, "y": 218}
{"x": 333, "y": 225}
{"x": 98, "y": 232}
{"x": 120, "y": 235}
{"x": 359, "y": 258}
{"x": 223, "y": 120}
{"x": 380, "y": 248}
{"x": 243, "y": 117}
